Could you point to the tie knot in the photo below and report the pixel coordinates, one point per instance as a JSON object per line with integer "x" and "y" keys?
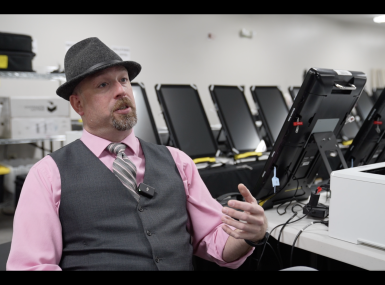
{"x": 116, "y": 148}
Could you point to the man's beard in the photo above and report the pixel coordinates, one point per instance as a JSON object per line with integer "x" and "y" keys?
{"x": 124, "y": 122}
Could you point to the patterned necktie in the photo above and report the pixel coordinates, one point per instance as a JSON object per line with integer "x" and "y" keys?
{"x": 123, "y": 168}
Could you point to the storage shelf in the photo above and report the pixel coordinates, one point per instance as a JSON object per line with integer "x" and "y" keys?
{"x": 22, "y": 141}
{"x": 32, "y": 75}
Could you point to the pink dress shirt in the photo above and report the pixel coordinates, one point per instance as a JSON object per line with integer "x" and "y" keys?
{"x": 37, "y": 236}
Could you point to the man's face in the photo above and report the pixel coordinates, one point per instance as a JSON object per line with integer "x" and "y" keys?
{"x": 107, "y": 101}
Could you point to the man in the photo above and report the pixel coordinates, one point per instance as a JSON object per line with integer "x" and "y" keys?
{"x": 110, "y": 201}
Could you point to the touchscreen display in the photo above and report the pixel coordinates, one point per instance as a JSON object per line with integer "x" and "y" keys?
{"x": 364, "y": 105}
{"x": 294, "y": 92}
{"x": 189, "y": 121}
{"x": 238, "y": 119}
{"x": 143, "y": 128}
{"x": 273, "y": 107}
{"x": 377, "y": 93}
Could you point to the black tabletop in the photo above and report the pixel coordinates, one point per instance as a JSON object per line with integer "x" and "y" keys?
{"x": 225, "y": 179}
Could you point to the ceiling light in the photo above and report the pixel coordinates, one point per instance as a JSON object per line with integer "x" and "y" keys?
{"x": 379, "y": 19}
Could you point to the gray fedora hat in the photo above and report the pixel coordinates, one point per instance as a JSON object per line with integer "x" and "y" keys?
{"x": 87, "y": 57}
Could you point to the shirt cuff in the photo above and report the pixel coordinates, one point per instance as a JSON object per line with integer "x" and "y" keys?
{"x": 220, "y": 239}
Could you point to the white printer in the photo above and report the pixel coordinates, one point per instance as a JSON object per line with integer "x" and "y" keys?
{"x": 357, "y": 205}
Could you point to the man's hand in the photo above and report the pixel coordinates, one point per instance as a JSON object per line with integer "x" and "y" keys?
{"x": 252, "y": 224}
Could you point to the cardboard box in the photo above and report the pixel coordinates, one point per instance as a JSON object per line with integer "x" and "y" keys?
{"x": 34, "y": 107}
{"x": 33, "y": 117}
{"x": 35, "y": 128}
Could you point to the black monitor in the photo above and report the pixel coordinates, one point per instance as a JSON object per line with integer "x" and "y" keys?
{"x": 272, "y": 110}
{"x": 368, "y": 145}
{"x": 236, "y": 118}
{"x": 145, "y": 128}
{"x": 308, "y": 135}
{"x": 186, "y": 120}
{"x": 364, "y": 105}
{"x": 293, "y": 91}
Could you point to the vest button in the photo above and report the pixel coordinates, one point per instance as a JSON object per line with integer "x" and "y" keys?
{"x": 148, "y": 233}
{"x": 157, "y": 260}
{"x": 140, "y": 209}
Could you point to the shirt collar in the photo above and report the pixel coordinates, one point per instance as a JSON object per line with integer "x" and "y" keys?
{"x": 97, "y": 144}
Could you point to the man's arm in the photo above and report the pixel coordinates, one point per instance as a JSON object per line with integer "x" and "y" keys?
{"x": 251, "y": 225}
{"x": 205, "y": 225}
{"x": 36, "y": 240}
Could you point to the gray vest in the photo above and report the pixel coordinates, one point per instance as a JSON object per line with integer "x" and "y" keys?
{"x": 105, "y": 228}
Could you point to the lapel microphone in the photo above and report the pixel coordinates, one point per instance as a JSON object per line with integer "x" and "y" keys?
{"x": 146, "y": 190}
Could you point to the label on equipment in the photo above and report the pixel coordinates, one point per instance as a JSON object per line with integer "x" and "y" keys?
{"x": 342, "y": 72}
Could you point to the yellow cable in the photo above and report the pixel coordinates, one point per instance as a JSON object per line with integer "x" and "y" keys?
{"x": 204, "y": 159}
{"x": 347, "y": 142}
{"x": 4, "y": 170}
{"x": 247, "y": 154}
{"x": 265, "y": 200}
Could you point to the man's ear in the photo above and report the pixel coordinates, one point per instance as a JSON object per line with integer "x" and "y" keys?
{"x": 76, "y": 104}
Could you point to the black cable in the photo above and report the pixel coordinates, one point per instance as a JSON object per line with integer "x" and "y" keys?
{"x": 280, "y": 206}
{"x": 300, "y": 232}
{"x": 264, "y": 246}
{"x": 296, "y": 205}
{"x": 278, "y": 240}
{"x": 280, "y": 233}
{"x": 292, "y": 248}
{"x": 277, "y": 227}
{"x": 275, "y": 254}
{"x": 291, "y": 200}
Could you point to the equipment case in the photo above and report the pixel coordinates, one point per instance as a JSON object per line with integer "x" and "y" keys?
{"x": 15, "y": 52}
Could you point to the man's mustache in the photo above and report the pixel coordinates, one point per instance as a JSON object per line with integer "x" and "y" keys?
{"x": 123, "y": 102}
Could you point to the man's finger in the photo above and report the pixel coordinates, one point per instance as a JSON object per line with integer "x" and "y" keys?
{"x": 241, "y": 226}
{"x": 238, "y": 234}
{"x": 244, "y": 216}
{"x": 246, "y": 193}
{"x": 244, "y": 206}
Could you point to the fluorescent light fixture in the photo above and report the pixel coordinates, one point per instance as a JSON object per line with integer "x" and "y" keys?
{"x": 379, "y": 19}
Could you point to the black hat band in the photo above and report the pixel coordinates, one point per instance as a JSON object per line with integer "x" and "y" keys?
{"x": 101, "y": 64}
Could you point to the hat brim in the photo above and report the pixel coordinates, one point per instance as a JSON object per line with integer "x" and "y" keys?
{"x": 66, "y": 89}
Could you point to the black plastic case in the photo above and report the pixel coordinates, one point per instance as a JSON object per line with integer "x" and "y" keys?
{"x": 16, "y": 61}
{"x": 15, "y": 42}
{"x": 15, "y": 52}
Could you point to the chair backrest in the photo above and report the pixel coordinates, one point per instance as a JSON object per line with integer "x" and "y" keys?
{"x": 4, "y": 252}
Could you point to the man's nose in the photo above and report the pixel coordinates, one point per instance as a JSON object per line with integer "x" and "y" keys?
{"x": 119, "y": 90}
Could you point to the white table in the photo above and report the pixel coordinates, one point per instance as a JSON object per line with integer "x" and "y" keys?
{"x": 316, "y": 239}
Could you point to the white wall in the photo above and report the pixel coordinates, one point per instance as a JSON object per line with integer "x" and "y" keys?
{"x": 176, "y": 49}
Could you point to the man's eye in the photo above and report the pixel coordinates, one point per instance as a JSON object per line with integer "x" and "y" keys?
{"x": 124, "y": 79}
{"x": 102, "y": 85}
